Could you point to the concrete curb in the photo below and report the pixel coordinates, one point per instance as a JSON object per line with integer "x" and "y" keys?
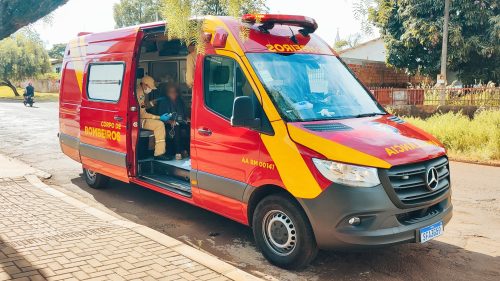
{"x": 11, "y": 167}
{"x": 196, "y": 255}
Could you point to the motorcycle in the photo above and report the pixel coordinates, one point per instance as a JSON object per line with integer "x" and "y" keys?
{"x": 29, "y": 100}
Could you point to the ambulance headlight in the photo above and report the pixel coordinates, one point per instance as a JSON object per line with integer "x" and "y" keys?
{"x": 351, "y": 175}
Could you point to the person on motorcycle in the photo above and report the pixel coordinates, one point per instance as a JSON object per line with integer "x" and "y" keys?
{"x": 29, "y": 91}
{"x": 29, "y": 94}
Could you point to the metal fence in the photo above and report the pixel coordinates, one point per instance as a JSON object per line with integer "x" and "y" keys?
{"x": 484, "y": 96}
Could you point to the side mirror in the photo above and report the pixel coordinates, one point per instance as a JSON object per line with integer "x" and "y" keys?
{"x": 244, "y": 113}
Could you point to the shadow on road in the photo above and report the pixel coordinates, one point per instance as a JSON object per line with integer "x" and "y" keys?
{"x": 15, "y": 265}
{"x": 233, "y": 242}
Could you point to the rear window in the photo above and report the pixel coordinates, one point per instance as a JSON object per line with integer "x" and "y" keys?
{"x": 105, "y": 81}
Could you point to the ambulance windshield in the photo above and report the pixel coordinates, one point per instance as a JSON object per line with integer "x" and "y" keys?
{"x": 308, "y": 87}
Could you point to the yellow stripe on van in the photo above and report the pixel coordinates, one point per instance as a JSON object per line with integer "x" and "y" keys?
{"x": 77, "y": 54}
{"x": 335, "y": 151}
{"x": 293, "y": 171}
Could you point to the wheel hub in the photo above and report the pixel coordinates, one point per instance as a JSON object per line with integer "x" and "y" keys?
{"x": 90, "y": 174}
{"x": 279, "y": 232}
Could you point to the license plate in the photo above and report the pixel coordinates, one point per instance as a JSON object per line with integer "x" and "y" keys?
{"x": 430, "y": 232}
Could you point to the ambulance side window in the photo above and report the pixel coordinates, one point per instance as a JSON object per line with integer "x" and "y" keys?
{"x": 224, "y": 81}
{"x": 219, "y": 84}
{"x": 105, "y": 81}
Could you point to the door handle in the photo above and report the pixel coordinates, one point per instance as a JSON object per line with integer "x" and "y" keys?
{"x": 118, "y": 118}
{"x": 204, "y": 131}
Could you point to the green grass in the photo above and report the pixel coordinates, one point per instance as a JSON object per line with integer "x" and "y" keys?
{"x": 7, "y": 94}
{"x": 466, "y": 139}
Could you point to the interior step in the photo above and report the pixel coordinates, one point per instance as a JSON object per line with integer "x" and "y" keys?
{"x": 180, "y": 169}
{"x": 181, "y": 164}
{"x": 169, "y": 183}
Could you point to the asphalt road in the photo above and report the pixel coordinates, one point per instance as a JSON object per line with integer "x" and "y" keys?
{"x": 468, "y": 250}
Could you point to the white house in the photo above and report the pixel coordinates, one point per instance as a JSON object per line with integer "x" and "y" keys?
{"x": 367, "y": 60}
{"x": 373, "y": 50}
{"x": 55, "y": 65}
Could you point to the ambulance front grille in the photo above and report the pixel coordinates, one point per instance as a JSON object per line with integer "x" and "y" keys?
{"x": 409, "y": 182}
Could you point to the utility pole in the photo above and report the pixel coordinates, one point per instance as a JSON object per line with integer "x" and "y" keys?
{"x": 442, "y": 79}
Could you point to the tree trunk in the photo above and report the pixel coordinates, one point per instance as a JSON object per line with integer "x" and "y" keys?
{"x": 444, "y": 53}
{"x": 14, "y": 14}
{"x": 11, "y": 86}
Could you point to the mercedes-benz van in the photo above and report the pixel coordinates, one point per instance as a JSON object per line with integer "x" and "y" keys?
{"x": 283, "y": 137}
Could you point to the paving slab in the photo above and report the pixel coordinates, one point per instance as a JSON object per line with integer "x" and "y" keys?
{"x": 47, "y": 235}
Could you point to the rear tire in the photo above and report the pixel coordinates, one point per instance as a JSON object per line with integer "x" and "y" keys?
{"x": 283, "y": 233}
{"x": 95, "y": 180}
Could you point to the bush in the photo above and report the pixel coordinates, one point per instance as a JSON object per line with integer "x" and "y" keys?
{"x": 472, "y": 139}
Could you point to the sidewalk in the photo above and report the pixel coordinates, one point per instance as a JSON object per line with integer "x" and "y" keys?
{"x": 47, "y": 235}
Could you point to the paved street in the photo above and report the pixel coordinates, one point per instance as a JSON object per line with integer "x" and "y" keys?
{"x": 469, "y": 249}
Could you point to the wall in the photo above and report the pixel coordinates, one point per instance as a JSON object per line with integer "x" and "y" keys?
{"x": 377, "y": 74}
{"x": 42, "y": 86}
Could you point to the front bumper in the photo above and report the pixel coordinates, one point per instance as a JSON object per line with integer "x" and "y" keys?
{"x": 382, "y": 223}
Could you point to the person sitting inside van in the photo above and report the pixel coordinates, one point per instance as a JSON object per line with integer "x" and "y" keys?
{"x": 177, "y": 128}
{"x": 150, "y": 121}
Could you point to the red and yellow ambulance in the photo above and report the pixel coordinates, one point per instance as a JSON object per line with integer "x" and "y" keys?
{"x": 283, "y": 137}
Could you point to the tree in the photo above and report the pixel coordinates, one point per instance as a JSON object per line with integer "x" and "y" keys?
{"x": 133, "y": 12}
{"x": 361, "y": 10}
{"x": 21, "y": 56}
{"x": 15, "y": 14}
{"x": 222, "y": 7}
{"x": 351, "y": 41}
{"x": 412, "y": 32}
{"x": 57, "y": 51}
{"x": 178, "y": 14}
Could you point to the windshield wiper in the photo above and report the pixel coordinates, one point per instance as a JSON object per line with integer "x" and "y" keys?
{"x": 368, "y": 115}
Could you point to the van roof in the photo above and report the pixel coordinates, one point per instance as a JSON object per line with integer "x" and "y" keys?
{"x": 277, "y": 39}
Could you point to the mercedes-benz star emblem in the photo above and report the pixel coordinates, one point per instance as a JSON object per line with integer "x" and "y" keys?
{"x": 432, "y": 178}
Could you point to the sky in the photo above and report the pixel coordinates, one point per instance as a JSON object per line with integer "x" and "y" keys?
{"x": 97, "y": 15}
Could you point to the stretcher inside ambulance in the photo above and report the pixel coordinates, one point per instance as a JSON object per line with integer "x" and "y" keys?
{"x": 281, "y": 135}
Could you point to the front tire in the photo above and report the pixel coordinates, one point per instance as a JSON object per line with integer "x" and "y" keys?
{"x": 95, "y": 180}
{"x": 283, "y": 233}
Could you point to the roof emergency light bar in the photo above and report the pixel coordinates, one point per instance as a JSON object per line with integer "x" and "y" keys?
{"x": 268, "y": 21}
